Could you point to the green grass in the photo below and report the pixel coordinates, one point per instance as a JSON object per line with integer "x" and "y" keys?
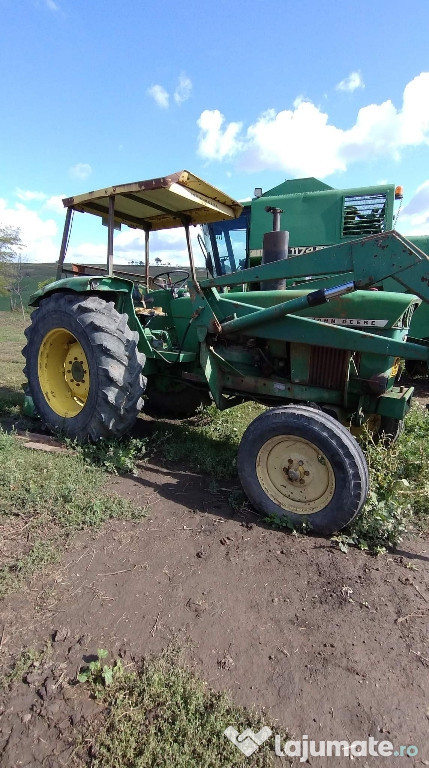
{"x": 162, "y": 715}
{"x": 44, "y": 497}
{"x": 12, "y": 340}
{"x": 399, "y": 492}
{"x": 207, "y": 443}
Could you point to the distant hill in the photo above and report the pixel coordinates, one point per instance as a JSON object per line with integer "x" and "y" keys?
{"x": 34, "y": 274}
{"x": 38, "y": 273}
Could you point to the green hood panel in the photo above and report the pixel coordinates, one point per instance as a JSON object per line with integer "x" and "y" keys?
{"x": 366, "y": 306}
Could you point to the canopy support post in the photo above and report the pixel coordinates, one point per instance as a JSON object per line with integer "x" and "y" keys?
{"x": 191, "y": 256}
{"x": 110, "y": 231}
{"x": 64, "y": 242}
{"x": 146, "y": 257}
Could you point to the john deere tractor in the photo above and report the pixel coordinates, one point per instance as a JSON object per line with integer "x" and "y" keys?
{"x": 324, "y": 361}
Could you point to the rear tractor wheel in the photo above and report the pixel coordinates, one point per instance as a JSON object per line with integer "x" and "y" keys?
{"x": 83, "y": 367}
{"x": 301, "y": 465}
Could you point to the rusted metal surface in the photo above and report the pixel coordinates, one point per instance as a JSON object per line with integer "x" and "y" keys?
{"x": 280, "y": 390}
{"x": 328, "y": 367}
{"x": 162, "y": 203}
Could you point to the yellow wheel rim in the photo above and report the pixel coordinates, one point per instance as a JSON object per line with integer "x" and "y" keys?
{"x": 63, "y": 373}
{"x": 295, "y": 474}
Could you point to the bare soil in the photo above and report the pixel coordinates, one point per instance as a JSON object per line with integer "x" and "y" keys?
{"x": 334, "y": 645}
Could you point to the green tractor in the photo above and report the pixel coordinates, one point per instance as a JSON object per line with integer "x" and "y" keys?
{"x": 322, "y": 360}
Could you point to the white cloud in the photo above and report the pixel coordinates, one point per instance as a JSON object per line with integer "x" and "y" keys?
{"x": 39, "y": 235}
{"x": 181, "y": 94}
{"x": 55, "y": 204}
{"x": 215, "y": 141}
{"x": 183, "y": 90}
{"x": 302, "y": 142}
{"x": 419, "y": 203}
{"x": 351, "y": 83}
{"x": 80, "y": 171}
{"x": 414, "y": 217}
{"x": 160, "y": 95}
{"x": 27, "y": 195}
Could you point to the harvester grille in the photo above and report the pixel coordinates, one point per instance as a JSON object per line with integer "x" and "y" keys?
{"x": 364, "y": 215}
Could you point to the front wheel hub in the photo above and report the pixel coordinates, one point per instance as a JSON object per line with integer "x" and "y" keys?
{"x": 295, "y": 474}
{"x": 63, "y": 372}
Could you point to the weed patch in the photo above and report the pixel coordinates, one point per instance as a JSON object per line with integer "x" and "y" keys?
{"x": 115, "y": 456}
{"x": 100, "y": 675}
{"x": 208, "y": 442}
{"x": 399, "y": 488}
{"x": 162, "y": 714}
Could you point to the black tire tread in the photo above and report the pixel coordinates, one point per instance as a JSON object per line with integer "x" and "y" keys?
{"x": 119, "y": 365}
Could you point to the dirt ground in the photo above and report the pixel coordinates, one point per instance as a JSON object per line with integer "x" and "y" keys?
{"x": 334, "y": 645}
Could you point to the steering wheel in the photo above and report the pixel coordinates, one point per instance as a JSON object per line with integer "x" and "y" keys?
{"x": 169, "y": 272}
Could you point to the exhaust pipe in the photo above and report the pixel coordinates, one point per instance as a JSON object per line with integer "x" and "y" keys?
{"x": 275, "y": 248}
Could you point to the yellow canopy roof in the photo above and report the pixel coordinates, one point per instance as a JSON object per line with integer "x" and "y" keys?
{"x": 170, "y": 201}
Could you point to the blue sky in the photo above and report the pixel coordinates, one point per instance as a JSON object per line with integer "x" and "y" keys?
{"x": 243, "y": 94}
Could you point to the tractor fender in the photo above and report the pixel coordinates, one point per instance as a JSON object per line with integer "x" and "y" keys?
{"x": 100, "y": 284}
{"x": 118, "y": 290}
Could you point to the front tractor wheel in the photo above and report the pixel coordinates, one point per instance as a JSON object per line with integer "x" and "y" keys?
{"x": 83, "y": 367}
{"x": 301, "y": 465}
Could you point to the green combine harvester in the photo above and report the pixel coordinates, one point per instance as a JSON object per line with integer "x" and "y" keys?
{"x": 323, "y": 360}
{"x": 315, "y": 216}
